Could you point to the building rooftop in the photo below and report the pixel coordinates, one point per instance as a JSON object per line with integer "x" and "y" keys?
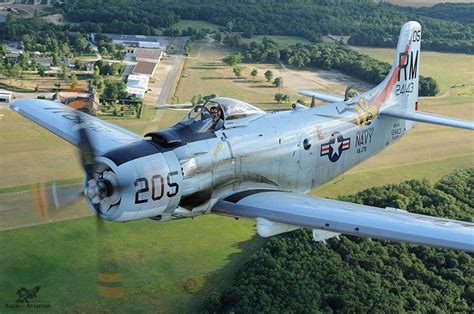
{"x": 147, "y": 68}
{"x": 141, "y": 38}
{"x": 141, "y": 53}
{"x": 137, "y": 81}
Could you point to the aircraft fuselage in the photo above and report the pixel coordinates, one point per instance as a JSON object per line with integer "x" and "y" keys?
{"x": 294, "y": 150}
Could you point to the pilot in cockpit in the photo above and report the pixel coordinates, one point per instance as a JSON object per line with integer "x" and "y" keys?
{"x": 217, "y": 122}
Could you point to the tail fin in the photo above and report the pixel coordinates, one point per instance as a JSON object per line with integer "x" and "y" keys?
{"x": 400, "y": 88}
{"x": 397, "y": 95}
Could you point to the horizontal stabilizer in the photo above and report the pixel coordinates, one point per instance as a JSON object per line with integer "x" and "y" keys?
{"x": 322, "y": 96}
{"x": 428, "y": 118}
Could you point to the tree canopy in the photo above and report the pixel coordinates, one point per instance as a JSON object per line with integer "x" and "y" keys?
{"x": 292, "y": 273}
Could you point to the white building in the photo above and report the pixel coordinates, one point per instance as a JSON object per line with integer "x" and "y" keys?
{"x": 137, "y": 85}
{"x": 5, "y": 96}
{"x": 140, "y": 41}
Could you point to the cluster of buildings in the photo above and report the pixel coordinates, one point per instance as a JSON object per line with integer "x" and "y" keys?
{"x": 147, "y": 51}
{"x": 147, "y": 62}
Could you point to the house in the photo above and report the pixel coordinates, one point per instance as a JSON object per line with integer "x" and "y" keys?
{"x": 140, "y": 41}
{"x": 5, "y": 96}
{"x": 80, "y": 100}
{"x": 137, "y": 85}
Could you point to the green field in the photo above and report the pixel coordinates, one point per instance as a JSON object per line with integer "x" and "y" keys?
{"x": 447, "y": 69}
{"x": 205, "y": 74}
{"x": 172, "y": 267}
{"x": 167, "y": 266}
{"x": 197, "y": 24}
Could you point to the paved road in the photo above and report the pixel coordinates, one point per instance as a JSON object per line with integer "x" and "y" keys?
{"x": 170, "y": 77}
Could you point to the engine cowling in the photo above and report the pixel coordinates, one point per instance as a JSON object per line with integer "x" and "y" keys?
{"x": 140, "y": 182}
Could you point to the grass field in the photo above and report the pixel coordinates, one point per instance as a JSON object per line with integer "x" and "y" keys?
{"x": 166, "y": 266}
{"x": 209, "y": 75}
{"x": 205, "y": 73}
{"x": 446, "y": 68}
{"x": 172, "y": 267}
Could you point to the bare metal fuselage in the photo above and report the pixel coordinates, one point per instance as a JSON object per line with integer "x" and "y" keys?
{"x": 291, "y": 150}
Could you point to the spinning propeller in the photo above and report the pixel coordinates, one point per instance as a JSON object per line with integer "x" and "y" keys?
{"x": 60, "y": 200}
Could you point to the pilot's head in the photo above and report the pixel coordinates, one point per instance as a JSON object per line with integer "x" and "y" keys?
{"x": 215, "y": 113}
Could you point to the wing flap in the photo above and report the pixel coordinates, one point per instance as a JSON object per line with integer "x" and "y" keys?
{"x": 322, "y": 96}
{"x": 428, "y": 118}
{"x": 349, "y": 218}
{"x": 62, "y": 121}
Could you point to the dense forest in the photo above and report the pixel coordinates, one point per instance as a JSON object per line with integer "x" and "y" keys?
{"x": 338, "y": 57}
{"x": 368, "y": 22}
{"x": 458, "y": 12}
{"x": 292, "y": 273}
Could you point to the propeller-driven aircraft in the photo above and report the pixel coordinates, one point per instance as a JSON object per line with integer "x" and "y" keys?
{"x": 259, "y": 164}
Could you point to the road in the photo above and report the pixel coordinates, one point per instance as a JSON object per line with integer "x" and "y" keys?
{"x": 170, "y": 77}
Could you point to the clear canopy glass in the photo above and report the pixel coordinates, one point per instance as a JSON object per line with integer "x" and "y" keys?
{"x": 235, "y": 109}
{"x": 199, "y": 118}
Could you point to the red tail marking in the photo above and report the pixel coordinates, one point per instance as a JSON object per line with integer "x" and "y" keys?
{"x": 382, "y": 95}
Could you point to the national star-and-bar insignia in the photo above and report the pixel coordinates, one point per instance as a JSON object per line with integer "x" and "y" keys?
{"x": 336, "y": 145}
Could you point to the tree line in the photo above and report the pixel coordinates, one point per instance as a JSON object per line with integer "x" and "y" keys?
{"x": 367, "y": 22}
{"x": 328, "y": 57}
{"x": 292, "y": 273}
{"x": 459, "y": 12}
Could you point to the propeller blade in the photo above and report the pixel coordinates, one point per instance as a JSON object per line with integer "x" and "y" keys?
{"x": 85, "y": 149}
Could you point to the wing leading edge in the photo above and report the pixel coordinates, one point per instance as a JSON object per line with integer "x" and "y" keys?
{"x": 348, "y": 218}
{"x": 62, "y": 121}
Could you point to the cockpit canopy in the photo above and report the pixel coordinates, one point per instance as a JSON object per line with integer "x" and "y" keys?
{"x": 198, "y": 123}
{"x": 233, "y": 113}
{"x": 234, "y": 109}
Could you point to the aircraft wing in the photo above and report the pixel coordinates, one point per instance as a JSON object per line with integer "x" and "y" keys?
{"x": 342, "y": 217}
{"x": 428, "y": 118}
{"x": 322, "y": 96}
{"x": 63, "y": 121}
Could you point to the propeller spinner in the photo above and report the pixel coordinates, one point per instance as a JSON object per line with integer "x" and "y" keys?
{"x": 101, "y": 185}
